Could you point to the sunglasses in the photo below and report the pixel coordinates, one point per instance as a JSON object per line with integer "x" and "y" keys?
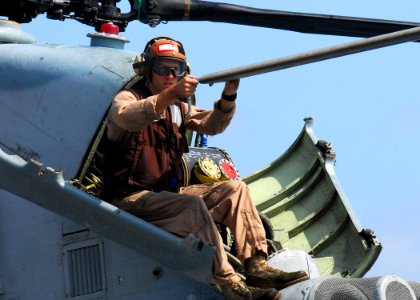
{"x": 159, "y": 67}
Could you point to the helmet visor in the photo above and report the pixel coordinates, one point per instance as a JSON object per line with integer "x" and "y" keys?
{"x": 164, "y": 66}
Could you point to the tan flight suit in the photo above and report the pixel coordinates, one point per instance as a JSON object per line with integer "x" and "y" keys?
{"x": 194, "y": 208}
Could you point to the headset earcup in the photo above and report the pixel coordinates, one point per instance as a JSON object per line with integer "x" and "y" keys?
{"x": 140, "y": 65}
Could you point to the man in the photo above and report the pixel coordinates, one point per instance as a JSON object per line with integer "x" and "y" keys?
{"x": 145, "y": 141}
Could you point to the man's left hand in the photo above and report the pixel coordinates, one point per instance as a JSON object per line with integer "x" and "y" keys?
{"x": 231, "y": 87}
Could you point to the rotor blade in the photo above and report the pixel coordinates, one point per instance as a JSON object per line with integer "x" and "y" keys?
{"x": 195, "y": 10}
{"x": 314, "y": 56}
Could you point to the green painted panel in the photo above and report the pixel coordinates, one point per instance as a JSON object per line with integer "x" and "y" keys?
{"x": 308, "y": 209}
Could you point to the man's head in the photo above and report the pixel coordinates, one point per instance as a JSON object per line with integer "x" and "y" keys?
{"x": 162, "y": 55}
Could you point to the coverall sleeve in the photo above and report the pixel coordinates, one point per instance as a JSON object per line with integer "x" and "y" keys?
{"x": 209, "y": 121}
{"x": 127, "y": 113}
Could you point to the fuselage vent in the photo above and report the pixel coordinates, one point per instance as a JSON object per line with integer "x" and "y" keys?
{"x": 84, "y": 269}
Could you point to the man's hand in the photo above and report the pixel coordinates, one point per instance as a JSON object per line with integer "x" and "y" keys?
{"x": 231, "y": 87}
{"x": 186, "y": 86}
{"x": 182, "y": 89}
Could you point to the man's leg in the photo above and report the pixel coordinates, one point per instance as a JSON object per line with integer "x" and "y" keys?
{"x": 181, "y": 215}
{"x": 184, "y": 214}
{"x": 230, "y": 203}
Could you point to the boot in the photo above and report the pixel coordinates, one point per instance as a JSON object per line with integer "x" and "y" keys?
{"x": 239, "y": 291}
{"x": 259, "y": 274}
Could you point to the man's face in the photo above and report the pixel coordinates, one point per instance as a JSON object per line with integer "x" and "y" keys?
{"x": 166, "y": 72}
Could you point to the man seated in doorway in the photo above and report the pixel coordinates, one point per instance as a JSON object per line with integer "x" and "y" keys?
{"x": 146, "y": 129}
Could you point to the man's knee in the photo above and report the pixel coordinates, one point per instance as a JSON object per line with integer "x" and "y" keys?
{"x": 236, "y": 185}
{"x": 193, "y": 202}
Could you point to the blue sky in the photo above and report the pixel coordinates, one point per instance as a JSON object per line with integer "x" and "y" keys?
{"x": 367, "y": 105}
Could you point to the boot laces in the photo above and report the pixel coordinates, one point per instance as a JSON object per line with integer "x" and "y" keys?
{"x": 240, "y": 289}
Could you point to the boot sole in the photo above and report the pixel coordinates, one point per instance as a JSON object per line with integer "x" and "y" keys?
{"x": 277, "y": 286}
{"x": 297, "y": 280}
